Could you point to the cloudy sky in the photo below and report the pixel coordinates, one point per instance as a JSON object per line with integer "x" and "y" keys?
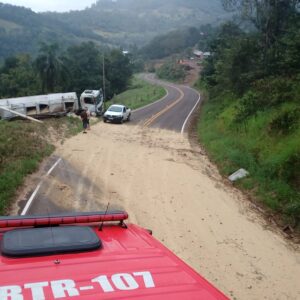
{"x": 51, "y": 5}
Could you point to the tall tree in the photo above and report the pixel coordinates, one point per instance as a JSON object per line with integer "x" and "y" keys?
{"x": 50, "y": 68}
{"x": 270, "y": 17}
{"x": 118, "y": 71}
{"x": 85, "y": 64}
{"x": 18, "y": 77}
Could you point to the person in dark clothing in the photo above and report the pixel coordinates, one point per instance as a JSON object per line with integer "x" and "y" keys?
{"x": 88, "y": 119}
{"x": 85, "y": 120}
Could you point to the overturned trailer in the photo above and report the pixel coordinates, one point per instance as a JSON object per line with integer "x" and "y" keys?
{"x": 39, "y": 106}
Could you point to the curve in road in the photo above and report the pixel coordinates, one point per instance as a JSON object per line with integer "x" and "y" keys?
{"x": 171, "y": 112}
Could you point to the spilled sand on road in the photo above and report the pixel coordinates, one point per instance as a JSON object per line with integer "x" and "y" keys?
{"x": 172, "y": 188}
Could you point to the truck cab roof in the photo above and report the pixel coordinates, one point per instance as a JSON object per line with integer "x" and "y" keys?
{"x": 91, "y": 93}
{"x": 126, "y": 263}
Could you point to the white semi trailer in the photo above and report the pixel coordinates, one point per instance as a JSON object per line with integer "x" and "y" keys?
{"x": 39, "y": 106}
{"x": 51, "y": 104}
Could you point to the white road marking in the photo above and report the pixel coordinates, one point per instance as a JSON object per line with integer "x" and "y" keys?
{"x": 178, "y": 89}
{"x": 54, "y": 166}
{"x": 29, "y": 202}
{"x": 161, "y": 112}
{"x": 186, "y": 120}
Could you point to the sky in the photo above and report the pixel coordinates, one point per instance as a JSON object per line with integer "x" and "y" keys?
{"x": 52, "y": 5}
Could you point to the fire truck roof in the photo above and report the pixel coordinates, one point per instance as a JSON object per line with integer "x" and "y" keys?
{"x": 129, "y": 264}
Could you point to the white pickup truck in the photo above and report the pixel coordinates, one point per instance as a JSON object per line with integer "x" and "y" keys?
{"x": 117, "y": 113}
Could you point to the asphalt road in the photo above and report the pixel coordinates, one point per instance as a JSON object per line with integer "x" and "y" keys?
{"x": 171, "y": 112}
{"x": 61, "y": 178}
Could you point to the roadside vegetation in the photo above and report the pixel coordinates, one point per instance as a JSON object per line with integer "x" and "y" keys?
{"x": 23, "y": 145}
{"x": 252, "y": 117}
{"x": 271, "y": 157}
{"x": 56, "y": 71}
{"x": 172, "y": 70}
{"x": 176, "y": 41}
{"x": 171, "y": 49}
{"x": 139, "y": 93}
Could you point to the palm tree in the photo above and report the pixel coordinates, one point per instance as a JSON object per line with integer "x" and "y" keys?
{"x": 51, "y": 69}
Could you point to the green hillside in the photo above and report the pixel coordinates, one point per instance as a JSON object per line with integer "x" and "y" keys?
{"x": 252, "y": 117}
{"x": 22, "y": 31}
{"x": 114, "y": 23}
{"x": 141, "y": 20}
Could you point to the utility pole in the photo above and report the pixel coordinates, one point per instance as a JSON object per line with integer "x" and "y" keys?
{"x": 103, "y": 77}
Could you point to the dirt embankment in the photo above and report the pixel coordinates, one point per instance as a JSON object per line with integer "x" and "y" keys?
{"x": 172, "y": 188}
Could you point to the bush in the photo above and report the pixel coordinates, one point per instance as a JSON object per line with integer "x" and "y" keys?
{"x": 265, "y": 94}
{"x": 286, "y": 122}
{"x": 273, "y": 161}
{"x": 248, "y": 106}
{"x": 171, "y": 70}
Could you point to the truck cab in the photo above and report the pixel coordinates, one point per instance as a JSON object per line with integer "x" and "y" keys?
{"x": 93, "y": 101}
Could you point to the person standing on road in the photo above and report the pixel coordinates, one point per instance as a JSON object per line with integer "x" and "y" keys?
{"x": 88, "y": 118}
{"x": 84, "y": 119}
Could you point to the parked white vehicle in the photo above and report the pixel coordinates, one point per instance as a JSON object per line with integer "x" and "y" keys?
{"x": 117, "y": 113}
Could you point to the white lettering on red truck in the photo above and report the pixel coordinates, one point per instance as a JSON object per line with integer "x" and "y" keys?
{"x": 67, "y": 288}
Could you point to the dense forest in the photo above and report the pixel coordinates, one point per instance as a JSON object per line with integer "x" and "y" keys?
{"x": 125, "y": 22}
{"x": 170, "y": 43}
{"x": 22, "y": 31}
{"x": 176, "y": 45}
{"x": 252, "y": 118}
{"x": 78, "y": 68}
{"x": 113, "y": 23}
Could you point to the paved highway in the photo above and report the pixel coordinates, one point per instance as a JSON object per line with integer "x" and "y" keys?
{"x": 172, "y": 112}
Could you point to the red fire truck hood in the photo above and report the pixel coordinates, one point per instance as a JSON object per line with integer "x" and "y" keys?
{"x": 131, "y": 264}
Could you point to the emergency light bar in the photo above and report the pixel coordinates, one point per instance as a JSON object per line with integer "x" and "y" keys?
{"x": 62, "y": 219}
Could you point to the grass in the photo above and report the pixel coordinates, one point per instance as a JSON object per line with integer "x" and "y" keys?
{"x": 140, "y": 93}
{"x": 23, "y": 145}
{"x": 64, "y": 127}
{"x": 272, "y": 159}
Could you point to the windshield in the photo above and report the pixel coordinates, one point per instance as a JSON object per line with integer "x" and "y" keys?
{"x": 115, "y": 109}
{"x": 89, "y": 100}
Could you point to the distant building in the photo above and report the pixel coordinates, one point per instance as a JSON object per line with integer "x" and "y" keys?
{"x": 206, "y": 54}
{"x": 198, "y": 53}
